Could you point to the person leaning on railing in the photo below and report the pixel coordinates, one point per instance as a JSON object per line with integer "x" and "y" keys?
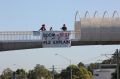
{"x": 42, "y": 28}
{"x": 64, "y": 28}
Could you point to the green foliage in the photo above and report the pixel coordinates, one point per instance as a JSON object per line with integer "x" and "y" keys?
{"x": 90, "y": 74}
{"x": 81, "y": 64}
{"x": 77, "y": 72}
{"x": 57, "y": 76}
{"x": 85, "y": 74}
{"x": 7, "y": 74}
{"x": 113, "y": 59}
{"x": 93, "y": 66}
{"x": 21, "y": 74}
{"x": 107, "y": 61}
{"x": 39, "y": 72}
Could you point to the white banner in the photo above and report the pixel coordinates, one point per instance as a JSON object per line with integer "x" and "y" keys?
{"x": 36, "y": 33}
{"x": 56, "y": 39}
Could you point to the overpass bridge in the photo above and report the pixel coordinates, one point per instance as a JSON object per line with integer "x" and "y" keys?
{"x": 87, "y": 31}
{"x": 25, "y": 40}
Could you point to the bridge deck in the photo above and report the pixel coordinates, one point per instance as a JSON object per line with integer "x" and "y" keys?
{"x": 32, "y": 39}
{"x": 5, "y": 46}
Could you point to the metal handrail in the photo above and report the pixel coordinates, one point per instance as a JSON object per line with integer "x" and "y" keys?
{"x": 20, "y": 35}
{"x": 24, "y": 36}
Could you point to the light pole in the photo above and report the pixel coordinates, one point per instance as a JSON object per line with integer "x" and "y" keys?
{"x": 69, "y": 62}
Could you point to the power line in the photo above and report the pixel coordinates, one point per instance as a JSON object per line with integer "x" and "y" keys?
{"x": 116, "y": 54}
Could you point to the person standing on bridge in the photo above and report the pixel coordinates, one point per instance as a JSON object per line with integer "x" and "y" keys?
{"x": 51, "y": 29}
{"x": 42, "y": 28}
{"x": 64, "y": 28}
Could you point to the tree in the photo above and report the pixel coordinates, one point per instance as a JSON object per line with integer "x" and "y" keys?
{"x": 21, "y": 74}
{"x": 56, "y": 74}
{"x": 66, "y": 73}
{"x": 84, "y": 73}
{"x": 81, "y": 64}
{"x": 39, "y": 72}
{"x": 114, "y": 75}
{"x": 77, "y": 73}
{"x": 31, "y": 74}
{"x": 93, "y": 66}
{"x": 7, "y": 74}
{"x": 107, "y": 61}
{"x": 113, "y": 59}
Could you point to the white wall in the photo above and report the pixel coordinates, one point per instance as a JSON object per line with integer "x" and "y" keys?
{"x": 103, "y": 73}
{"x": 98, "y": 29}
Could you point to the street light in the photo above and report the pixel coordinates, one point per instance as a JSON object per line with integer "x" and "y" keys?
{"x": 67, "y": 60}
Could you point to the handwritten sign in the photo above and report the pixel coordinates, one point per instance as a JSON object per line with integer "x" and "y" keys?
{"x": 36, "y": 33}
{"x": 56, "y": 39}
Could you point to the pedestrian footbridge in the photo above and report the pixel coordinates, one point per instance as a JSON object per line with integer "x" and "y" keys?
{"x": 87, "y": 31}
{"x": 15, "y": 40}
{"x": 33, "y": 39}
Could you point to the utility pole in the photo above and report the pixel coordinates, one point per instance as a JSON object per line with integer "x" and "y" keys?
{"x": 116, "y": 54}
{"x": 117, "y": 60}
{"x": 14, "y": 75}
{"x": 53, "y": 68}
{"x": 67, "y": 60}
{"x": 53, "y": 71}
{"x": 70, "y": 70}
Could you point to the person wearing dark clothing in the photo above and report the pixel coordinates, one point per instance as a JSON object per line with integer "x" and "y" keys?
{"x": 64, "y": 28}
{"x": 51, "y": 29}
{"x": 43, "y": 27}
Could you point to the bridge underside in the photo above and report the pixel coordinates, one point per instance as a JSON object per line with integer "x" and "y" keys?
{"x": 5, "y": 46}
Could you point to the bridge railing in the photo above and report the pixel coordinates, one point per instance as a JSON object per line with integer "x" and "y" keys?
{"x": 20, "y": 36}
{"x": 13, "y": 36}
